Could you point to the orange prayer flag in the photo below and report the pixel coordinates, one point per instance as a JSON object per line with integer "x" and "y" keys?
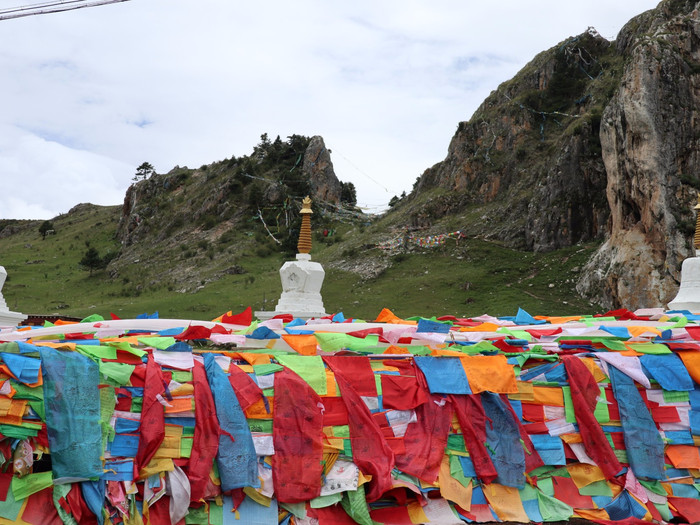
{"x": 302, "y": 344}
{"x": 387, "y": 316}
{"x": 547, "y": 395}
{"x": 506, "y": 503}
{"x": 525, "y": 392}
{"x": 396, "y": 350}
{"x": 592, "y": 514}
{"x": 562, "y": 319}
{"x": 490, "y": 373}
{"x": 583, "y": 474}
{"x": 683, "y": 456}
{"x": 636, "y": 331}
{"x": 61, "y": 322}
{"x": 691, "y": 360}
{"x": 258, "y": 410}
{"x": 453, "y": 490}
{"x": 221, "y": 317}
{"x": 250, "y": 358}
{"x": 179, "y": 404}
{"x": 445, "y": 352}
{"x": 595, "y": 370}
{"x": 483, "y": 327}
{"x": 331, "y": 385}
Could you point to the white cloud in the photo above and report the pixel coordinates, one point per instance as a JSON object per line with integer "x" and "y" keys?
{"x": 90, "y": 94}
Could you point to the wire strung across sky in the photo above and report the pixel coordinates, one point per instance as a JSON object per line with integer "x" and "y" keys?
{"x": 56, "y": 6}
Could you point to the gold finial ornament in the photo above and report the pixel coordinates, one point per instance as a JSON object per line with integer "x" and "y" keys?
{"x": 304, "y": 244}
{"x": 696, "y": 241}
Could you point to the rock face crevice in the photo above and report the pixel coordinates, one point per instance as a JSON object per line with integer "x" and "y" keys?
{"x": 650, "y": 140}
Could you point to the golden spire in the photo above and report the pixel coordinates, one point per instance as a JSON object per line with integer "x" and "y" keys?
{"x": 304, "y": 244}
{"x": 696, "y": 242}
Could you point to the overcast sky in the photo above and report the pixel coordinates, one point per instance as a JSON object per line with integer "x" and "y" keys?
{"x": 90, "y": 94}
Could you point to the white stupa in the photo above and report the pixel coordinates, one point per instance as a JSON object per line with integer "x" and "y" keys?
{"x": 7, "y": 318}
{"x": 688, "y": 297}
{"x": 301, "y": 279}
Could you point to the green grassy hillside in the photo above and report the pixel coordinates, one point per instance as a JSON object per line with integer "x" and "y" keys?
{"x": 465, "y": 278}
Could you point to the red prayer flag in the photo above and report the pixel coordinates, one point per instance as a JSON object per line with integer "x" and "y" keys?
{"x": 193, "y": 332}
{"x": 247, "y": 391}
{"x": 472, "y": 420}
{"x": 40, "y": 510}
{"x": 370, "y": 451}
{"x": 243, "y": 319}
{"x": 205, "y": 442}
{"x": 297, "y": 434}
{"x": 402, "y": 392}
{"x": 584, "y": 394}
{"x": 425, "y": 439}
{"x": 152, "y": 416}
{"x": 357, "y": 371}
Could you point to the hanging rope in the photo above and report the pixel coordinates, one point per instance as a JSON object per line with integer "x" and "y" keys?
{"x": 259, "y": 216}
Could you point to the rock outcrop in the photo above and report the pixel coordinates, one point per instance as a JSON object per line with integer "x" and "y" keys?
{"x": 592, "y": 140}
{"x": 318, "y": 167}
{"x": 650, "y": 138}
{"x": 532, "y": 148}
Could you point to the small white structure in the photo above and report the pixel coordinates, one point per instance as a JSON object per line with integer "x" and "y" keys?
{"x": 688, "y": 297}
{"x": 7, "y": 318}
{"x": 301, "y": 279}
{"x": 301, "y": 289}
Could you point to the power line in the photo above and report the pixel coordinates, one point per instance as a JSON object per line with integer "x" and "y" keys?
{"x": 56, "y": 6}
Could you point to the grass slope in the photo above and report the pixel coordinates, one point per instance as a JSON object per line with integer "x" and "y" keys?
{"x": 465, "y": 279}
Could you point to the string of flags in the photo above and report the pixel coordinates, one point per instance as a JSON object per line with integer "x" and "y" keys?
{"x": 423, "y": 242}
{"x": 398, "y": 421}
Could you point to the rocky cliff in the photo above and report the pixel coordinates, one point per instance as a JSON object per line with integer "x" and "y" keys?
{"x": 269, "y": 182}
{"x": 592, "y": 140}
{"x": 650, "y": 135}
{"x": 532, "y": 147}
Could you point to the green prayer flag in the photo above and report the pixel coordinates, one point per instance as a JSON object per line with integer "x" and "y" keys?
{"x": 94, "y": 318}
{"x": 681, "y": 321}
{"x": 197, "y": 516}
{"x": 672, "y": 396}
{"x": 119, "y": 372}
{"x": 332, "y": 341}
{"x": 216, "y": 514}
{"x": 481, "y": 346}
{"x": 9, "y": 509}
{"x": 260, "y": 425}
{"x": 27, "y": 392}
{"x": 355, "y": 505}
{"x": 270, "y": 368}
{"x": 321, "y": 502}
{"x": 97, "y": 351}
{"x": 419, "y": 350}
{"x": 601, "y": 412}
{"x": 650, "y": 348}
{"x": 161, "y": 343}
{"x": 59, "y": 492}
{"x": 126, "y": 347}
{"x": 457, "y": 472}
{"x": 597, "y": 488}
{"x": 30, "y": 484}
{"x": 181, "y": 376}
{"x": 22, "y": 432}
{"x": 310, "y": 368}
{"x": 553, "y": 509}
{"x": 616, "y": 345}
{"x": 546, "y": 485}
